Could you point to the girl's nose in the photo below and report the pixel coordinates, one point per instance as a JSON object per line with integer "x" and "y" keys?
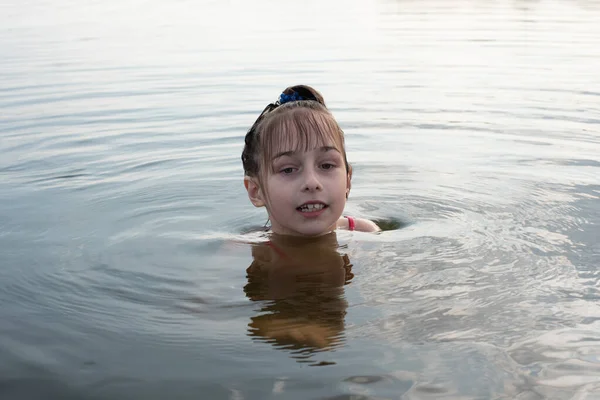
{"x": 311, "y": 182}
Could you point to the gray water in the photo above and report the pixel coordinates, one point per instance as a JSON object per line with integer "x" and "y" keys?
{"x": 474, "y": 125}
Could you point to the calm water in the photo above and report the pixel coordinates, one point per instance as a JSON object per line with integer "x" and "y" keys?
{"x": 123, "y": 268}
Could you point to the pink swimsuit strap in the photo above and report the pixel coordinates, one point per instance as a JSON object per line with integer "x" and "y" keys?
{"x": 351, "y": 223}
{"x": 277, "y": 249}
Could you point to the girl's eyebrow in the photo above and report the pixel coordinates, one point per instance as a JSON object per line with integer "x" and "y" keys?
{"x": 291, "y": 152}
{"x": 327, "y": 148}
{"x": 283, "y": 154}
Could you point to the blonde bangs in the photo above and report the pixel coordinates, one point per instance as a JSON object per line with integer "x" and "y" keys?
{"x": 298, "y": 129}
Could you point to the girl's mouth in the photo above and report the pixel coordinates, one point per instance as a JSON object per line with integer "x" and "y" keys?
{"x": 313, "y": 207}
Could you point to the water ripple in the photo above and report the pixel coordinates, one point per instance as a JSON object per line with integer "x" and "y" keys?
{"x": 122, "y": 205}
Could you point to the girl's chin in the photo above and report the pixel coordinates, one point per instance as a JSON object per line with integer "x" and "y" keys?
{"x": 309, "y": 227}
{"x": 290, "y": 231}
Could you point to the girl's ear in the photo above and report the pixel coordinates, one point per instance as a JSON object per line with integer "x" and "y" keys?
{"x": 348, "y": 180}
{"x": 254, "y": 192}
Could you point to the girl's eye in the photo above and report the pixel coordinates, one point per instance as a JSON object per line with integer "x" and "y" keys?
{"x": 287, "y": 171}
{"x": 327, "y": 166}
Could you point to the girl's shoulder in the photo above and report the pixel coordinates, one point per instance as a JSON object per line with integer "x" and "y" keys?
{"x": 357, "y": 224}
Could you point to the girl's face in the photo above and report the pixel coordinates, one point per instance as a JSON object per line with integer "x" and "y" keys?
{"x": 304, "y": 191}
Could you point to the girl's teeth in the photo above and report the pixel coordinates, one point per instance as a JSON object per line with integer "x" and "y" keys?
{"x": 312, "y": 207}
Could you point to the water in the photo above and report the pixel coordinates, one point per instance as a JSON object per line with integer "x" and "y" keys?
{"x": 473, "y": 124}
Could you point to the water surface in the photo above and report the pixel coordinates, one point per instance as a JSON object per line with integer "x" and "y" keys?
{"x": 122, "y": 270}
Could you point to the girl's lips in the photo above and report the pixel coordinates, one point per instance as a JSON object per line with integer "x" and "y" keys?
{"x": 313, "y": 202}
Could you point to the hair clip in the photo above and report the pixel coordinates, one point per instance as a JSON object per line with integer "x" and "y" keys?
{"x": 286, "y": 98}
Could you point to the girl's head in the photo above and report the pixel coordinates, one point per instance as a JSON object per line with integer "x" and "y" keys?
{"x": 295, "y": 164}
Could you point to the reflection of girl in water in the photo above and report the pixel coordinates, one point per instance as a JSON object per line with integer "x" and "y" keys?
{"x": 301, "y": 283}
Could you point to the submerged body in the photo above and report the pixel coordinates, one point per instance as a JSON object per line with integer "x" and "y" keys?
{"x": 303, "y": 280}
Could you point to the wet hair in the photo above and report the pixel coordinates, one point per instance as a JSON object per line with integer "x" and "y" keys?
{"x": 299, "y": 117}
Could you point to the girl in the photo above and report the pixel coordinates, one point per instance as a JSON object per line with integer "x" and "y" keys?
{"x": 295, "y": 165}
